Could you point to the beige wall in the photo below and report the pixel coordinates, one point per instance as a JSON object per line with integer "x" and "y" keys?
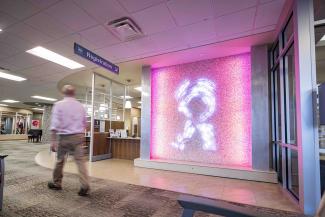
{"x": 129, "y": 115}
{"x": 10, "y": 109}
{"x": 13, "y": 137}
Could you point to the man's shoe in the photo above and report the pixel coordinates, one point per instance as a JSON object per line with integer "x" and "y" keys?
{"x": 83, "y": 192}
{"x": 53, "y": 186}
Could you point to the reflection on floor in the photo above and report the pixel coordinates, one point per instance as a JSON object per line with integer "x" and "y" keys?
{"x": 247, "y": 192}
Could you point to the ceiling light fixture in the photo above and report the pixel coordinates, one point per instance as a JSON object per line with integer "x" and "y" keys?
{"x": 128, "y": 104}
{"x": 44, "y": 98}
{"x": 10, "y": 76}
{"x": 9, "y": 101}
{"x": 0, "y": 30}
{"x": 138, "y": 88}
{"x": 140, "y": 102}
{"x": 38, "y": 109}
{"x": 126, "y": 97}
{"x": 3, "y": 105}
{"x": 54, "y": 57}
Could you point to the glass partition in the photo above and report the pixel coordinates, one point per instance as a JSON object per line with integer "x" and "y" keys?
{"x": 14, "y": 123}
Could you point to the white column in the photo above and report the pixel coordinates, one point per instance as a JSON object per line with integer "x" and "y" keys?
{"x": 307, "y": 129}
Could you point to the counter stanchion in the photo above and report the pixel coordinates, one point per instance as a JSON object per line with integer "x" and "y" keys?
{"x": 2, "y": 176}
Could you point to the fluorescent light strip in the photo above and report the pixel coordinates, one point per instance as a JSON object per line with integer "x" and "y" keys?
{"x": 11, "y": 77}
{"x": 44, "y": 98}
{"x": 3, "y": 105}
{"x": 9, "y": 101}
{"x": 38, "y": 109}
{"x": 126, "y": 97}
{"x": 54, "y": 57}
{"x": 138, "y": 89}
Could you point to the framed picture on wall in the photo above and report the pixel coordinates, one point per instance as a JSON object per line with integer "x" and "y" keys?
{"x": 35, "y": 124}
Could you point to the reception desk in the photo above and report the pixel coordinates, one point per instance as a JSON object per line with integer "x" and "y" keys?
{"x": 106, "y": 147}
{"x": 124, "y": 148}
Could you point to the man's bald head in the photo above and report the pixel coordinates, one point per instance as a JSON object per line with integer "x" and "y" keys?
{"x": 68, "y": 90}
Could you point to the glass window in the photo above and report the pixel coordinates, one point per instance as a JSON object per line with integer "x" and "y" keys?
{"x": 320, "y": 53}
{"x": 275, "y": 53}
{"x": 279, "y": 162}
{"x": 293, "y": 182}
{"x": 319, "y": 9}
{"x": 287, "y": 32}
{"x": 289, "y": 68}
{"x": 278, "y": 128}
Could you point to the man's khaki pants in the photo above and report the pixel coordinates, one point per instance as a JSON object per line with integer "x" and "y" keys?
{"x": 71, "y": 144}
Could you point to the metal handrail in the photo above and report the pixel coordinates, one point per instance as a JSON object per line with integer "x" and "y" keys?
{"x": 192, "y": 204}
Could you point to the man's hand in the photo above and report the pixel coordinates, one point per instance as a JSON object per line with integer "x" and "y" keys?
{"x": 54, "y": 143}
{"x": 54, "y": 147}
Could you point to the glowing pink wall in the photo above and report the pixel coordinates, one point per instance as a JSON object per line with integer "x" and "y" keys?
{"x": 231, "y": 120}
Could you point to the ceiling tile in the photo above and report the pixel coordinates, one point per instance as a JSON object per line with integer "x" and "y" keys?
{"x": 25, "y": 60}
{"x": 48, "y": 25}
{"x": 15, "y": 41}
{"x": 44, "y": 69}
{"x": 234, "y": 23}
{"x": 190, "y": 11}
{"x": 6, "y": 20}
{"x": 141, "y": 46}
{"x": 264, "y": 29}
{"x": 71, "y": 15}
{"x": 162, "y": 19}
{"x": 198, "y": 32}
{"x": 222, "y": 7}
{"x": 43, "y": 4}
{"x": 18, "y": 8}
{"x": 28, "y": 33}
{"x": 8, "y": 66}
{"x": 268, "y": 14}
{"x": 107, "y": 11}
{"x": 99, "y": 36}
{"x": 133, "y": 6}
{"x": 7, "y": 50}
{"x": 169, "y": 39}
{"x": 118, "y": 50}
{"x": 265, "y": 1}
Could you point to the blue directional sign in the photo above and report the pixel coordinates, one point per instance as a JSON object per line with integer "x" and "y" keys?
{"x": 87, "y": 54}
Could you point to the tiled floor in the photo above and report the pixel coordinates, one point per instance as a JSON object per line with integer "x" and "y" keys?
{"x": 247, "y": 192}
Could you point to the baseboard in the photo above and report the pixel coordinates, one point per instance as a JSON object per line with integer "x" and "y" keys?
{"x": 101, "y": 157}
{"x": 235, "y": 173}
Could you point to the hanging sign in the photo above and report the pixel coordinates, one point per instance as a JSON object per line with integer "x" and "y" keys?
{"x": 87, "y": 54}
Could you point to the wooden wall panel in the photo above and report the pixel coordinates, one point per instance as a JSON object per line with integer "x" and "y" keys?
{"x": 125, "y": 148}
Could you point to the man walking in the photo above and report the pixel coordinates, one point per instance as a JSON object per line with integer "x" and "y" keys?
{"x": 67, "y": 127}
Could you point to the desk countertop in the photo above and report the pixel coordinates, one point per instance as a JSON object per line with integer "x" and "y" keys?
{"x": 130, "y": 138}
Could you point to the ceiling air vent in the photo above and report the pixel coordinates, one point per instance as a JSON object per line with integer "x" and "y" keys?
{"x": 125, "y": 29}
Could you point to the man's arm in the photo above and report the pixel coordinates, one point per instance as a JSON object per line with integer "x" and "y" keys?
{"x": 54, "y": 142}
{"x": 55, "y": 123}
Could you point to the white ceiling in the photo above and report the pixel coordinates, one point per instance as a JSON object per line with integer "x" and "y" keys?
{"x": 168, "y": 26}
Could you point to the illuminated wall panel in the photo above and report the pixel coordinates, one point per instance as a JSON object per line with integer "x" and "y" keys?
{"x": 201, "y": 112}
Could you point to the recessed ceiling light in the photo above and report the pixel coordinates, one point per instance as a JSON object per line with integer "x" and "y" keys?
{"x": 44, "y": 98}
{"x": 323, "y": 38}
{"x": 3, "y": 105}
{"x": 38, "y": 109}
{"x": 126, "y": 97}
{"x": 9, "y": 101}
{"x": 10, "y": 76}
{"x": 0, "y": 30}
{"x": 54, "y": 57}
{"x": 138, "y": 88}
